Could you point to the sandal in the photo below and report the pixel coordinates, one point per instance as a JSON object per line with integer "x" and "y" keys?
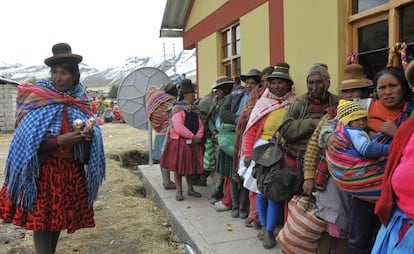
{"x": 220, "y": 207}
{"x": 169, "y": 186}
{"x": 179, "y": 196}
{"x": 194, "y": 193}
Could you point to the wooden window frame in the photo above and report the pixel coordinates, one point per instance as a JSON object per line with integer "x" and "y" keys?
{"x": 388, "y": 11}
{"x": 232, "y": 59}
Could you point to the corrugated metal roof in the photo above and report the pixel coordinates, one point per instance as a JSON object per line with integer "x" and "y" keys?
{"x": 7, "y": 81}
{"x": 172, "y": 24}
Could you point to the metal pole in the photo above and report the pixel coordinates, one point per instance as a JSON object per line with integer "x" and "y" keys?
{"x": 150, "y": 160}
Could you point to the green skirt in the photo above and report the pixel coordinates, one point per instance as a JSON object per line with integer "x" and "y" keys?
{"x": 225, "y": 164}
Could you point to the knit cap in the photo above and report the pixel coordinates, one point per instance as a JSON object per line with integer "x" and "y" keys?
{"x": 350, "y": 111}
{"x": 320, "y": 69}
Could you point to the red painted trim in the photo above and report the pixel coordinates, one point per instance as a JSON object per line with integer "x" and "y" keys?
{"x": 224, "y": 16}
{"x": 276, "y": 31}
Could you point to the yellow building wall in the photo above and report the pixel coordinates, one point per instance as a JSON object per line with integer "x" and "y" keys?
{"x": 254, "y": 32}
{"x": 314, "y": 32}
{"x": 208, "y": 58}
{"x": 201, "y": 9}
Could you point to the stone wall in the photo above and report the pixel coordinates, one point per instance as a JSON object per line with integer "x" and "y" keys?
{"x": 8, "y": 94}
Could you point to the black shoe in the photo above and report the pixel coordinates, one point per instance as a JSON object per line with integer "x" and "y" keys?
{"x": 235, "y": 212}
{"x": 269, "y": 240}
{"x": 199, "y": 182}
{"x": 243, "y": 214}
{"x": 194, "y": 193}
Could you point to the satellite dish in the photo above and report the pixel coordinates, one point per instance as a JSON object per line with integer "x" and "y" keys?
{"x": 131, "y": 94}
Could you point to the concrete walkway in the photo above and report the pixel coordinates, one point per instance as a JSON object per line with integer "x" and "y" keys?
{"x": 197, "y": 222}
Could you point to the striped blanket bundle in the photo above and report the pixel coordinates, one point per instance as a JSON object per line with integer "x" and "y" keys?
{"x": 359, "y": 176}
{"x": 157, "y": 105}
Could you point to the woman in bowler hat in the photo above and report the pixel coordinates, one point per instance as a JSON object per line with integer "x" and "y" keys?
{"x": 183, "y": 153}
{"x": 47, "y": 188}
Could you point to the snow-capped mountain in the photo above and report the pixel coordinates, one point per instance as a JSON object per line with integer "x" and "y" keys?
{"x": 182, "y": 64}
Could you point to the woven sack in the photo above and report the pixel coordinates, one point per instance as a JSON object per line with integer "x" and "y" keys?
{"x": 226, "y": 138}
{"x": 209, "y": 156}
{"x": 303, "y": 228}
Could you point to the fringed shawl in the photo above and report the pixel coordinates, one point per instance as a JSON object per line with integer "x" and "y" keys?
{"x": 267, "y": 103}
{"x": 38, "y": 116}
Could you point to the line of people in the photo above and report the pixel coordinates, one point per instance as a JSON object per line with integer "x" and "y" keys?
{"x": 216, "y": 136}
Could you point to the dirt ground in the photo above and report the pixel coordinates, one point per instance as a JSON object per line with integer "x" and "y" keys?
{"x": 127, "y": 220}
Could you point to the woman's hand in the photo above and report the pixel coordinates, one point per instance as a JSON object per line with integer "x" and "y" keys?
{"x": 69, "y": 138}
{"x": 334, "y": 144}
{"x": 87, "y": 132}
{"x": 308, "y": 186}
{"x": 247, "y": 161}
{"x": 389, "y": 128}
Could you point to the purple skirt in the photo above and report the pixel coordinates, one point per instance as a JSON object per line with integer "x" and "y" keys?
{"x": 183, "y": 158}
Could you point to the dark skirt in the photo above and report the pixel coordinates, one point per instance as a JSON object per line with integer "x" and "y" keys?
{"x": 61, "y": 202}
{"x": 183, "y": 158}
{"x": 225, "y": 164}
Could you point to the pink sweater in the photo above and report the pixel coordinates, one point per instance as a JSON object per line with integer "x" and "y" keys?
{"x": 403, "y": 179}
{"x": 178, "y": 128}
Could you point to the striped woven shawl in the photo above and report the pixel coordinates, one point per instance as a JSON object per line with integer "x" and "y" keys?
{"x": 39, "y": 115}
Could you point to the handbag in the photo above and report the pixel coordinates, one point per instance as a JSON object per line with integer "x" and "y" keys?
{"x": 302, "y": 229}
{"x": 209, "y": 155}
{"x": 226, "y": 138}
{"x": 275, "y": 180}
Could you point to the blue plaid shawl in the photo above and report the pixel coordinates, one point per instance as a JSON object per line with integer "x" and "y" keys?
{"x": 39, "y": 115}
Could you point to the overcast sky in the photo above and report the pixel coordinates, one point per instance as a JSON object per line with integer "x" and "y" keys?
{"x": 104, "y": 32}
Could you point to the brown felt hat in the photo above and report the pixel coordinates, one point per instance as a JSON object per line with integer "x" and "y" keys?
{"x": 253, "y": 73}
{"x": 409, "y": 73}
{"x": 354, "y": 77}
{"x": 187, "y": 86}
{"x": 62, "y": 52}
{"x": 221, "y": 81}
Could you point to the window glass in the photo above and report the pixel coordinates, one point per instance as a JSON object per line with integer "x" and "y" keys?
{"x": 373, "y": 47}
{"x": 227, "y": 70}
{"x": 407, "y": 29}
{"x": 407, "y": 23}
{"x": 374, "y": 36}
{"x": 237, "y": 66}
{"x": 363, "y": 5}
{"x": 237, "y": 40}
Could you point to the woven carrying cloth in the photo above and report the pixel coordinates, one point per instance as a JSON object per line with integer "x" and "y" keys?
{"x": 357, "y": 175}
{"x": 39, "y": 114}
{"x": 157, "y": 105}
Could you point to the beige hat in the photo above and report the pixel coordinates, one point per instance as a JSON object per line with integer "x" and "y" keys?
{"x": 354, "y": 77}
